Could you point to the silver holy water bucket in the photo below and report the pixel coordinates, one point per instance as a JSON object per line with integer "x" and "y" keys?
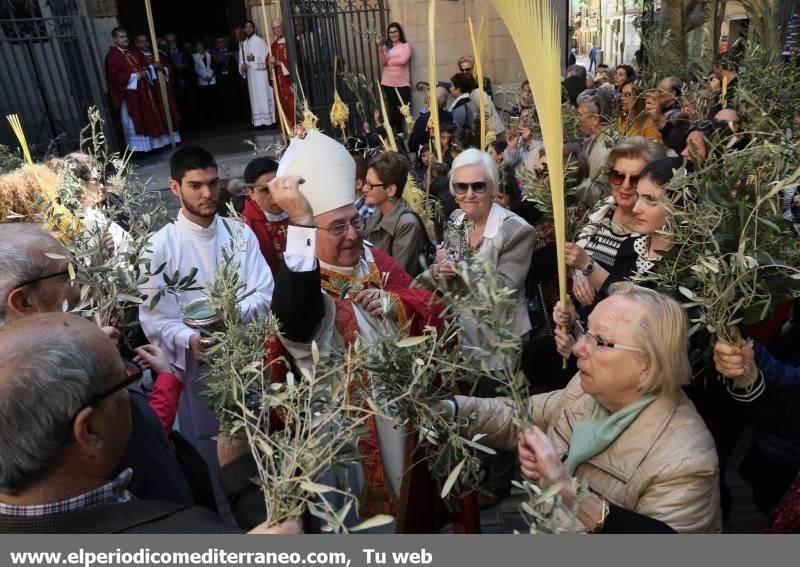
{"x": 197, "y": 314}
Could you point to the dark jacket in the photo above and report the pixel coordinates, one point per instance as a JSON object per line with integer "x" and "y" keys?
{"x": 775, "y": 410}
{"x": 157, "y": 516}
{"x": 419, "y": 132}
{"x": 624, "y": 521}
{"x": 156, "y": 472}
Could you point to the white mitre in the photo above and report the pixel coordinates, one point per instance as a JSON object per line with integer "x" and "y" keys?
{"x": 328, "y": 170}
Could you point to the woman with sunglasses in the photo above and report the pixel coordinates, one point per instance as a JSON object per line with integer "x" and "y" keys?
{"x": 92, "y": 196}
{"x": 484, "y": 229}
{"x": 652, "y": 214}
{"x": 611, "y": 224}
{"x": 623, "y": 424}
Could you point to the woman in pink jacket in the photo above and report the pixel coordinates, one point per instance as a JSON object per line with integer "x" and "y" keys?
{"x": 396, "y": 60}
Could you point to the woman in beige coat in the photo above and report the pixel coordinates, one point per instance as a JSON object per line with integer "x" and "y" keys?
{"x": 623, "y": 424}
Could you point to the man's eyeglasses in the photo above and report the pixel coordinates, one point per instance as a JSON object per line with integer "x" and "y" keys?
{"x": 618, "y": 178}
{"x": 479, "y": 187}
{"x": 593, "y": 341}
{"x": 467, "y": 70}
{"x": 42, "y": 278}
{"x": 339, "y": 228}
{"x": 134, "y": 374}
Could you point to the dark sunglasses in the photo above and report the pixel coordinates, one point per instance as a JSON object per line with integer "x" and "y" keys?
{"x": 618, "y": 178}
{"x": 479, "y": 187}
{"x": 42, "y": 278}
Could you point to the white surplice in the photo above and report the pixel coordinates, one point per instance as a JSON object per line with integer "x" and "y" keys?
{"x": 183, "y": 246}
{"x": 96, "y": 223}
{"x": 261, "y": 99}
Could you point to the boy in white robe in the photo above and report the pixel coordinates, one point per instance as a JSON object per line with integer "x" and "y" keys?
{"x": 196, "y": 240}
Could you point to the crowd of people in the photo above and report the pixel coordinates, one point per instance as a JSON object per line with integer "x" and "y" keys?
{"x": 332, "y": 241}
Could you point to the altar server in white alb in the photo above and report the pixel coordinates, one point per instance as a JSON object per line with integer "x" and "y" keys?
{"x": 253, "y": 55}
{"x": 197, "y": 239}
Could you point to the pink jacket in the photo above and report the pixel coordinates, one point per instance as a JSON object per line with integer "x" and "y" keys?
{"x": 396, "y": 66}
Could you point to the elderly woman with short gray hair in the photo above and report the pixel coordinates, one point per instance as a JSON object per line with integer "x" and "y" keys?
{"x": 623, "y": 425}
{"x": 484, "y": 229}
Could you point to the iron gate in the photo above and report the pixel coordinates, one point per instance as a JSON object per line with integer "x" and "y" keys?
{"x": 49, "y": 73}
{"x": 335, "y": 30}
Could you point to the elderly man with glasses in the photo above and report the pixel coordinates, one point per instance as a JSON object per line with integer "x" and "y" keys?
{"x": 364, "y": 296}
{"x": 593, "y": 113}
{"x": 34, "y": 279}
{"x": 65, "y": 420}
{"x": 466, "y": 64}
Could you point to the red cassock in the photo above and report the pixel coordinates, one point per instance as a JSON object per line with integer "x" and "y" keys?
{"x": 271, "y": 235}
{"x": 173, "y": 107}
{"x": 280, "y": 51}
{"x": 143, "y": 105}
{"x": 419, "y": 508}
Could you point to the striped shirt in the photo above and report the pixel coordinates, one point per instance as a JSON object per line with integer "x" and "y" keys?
{"x": 599, "y": 239}
{"x": 604, "y": 245}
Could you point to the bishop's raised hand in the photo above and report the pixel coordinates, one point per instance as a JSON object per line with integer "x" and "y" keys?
{"x": 286, "y": 193}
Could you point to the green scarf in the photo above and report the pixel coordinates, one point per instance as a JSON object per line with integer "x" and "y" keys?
{"x": 595, "y": 435}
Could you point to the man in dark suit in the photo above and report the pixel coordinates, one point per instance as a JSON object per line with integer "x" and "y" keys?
{"x": 65, "y": 421}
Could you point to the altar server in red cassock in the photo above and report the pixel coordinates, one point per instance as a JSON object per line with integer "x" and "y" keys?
{"x": 166, "y": 68}
{"x": 261, "y": 213}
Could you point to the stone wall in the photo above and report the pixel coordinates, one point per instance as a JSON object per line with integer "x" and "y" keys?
{"x": 501, "y": 62}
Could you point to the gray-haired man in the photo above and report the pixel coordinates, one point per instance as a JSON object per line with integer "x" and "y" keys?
{"x": 64, "y": 423}
{"x": 31, "y": 282}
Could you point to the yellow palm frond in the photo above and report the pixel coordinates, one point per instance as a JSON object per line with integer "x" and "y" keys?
{"x": 58, "y": 216}
{"x": 534, "y": 28}
{"x": 392, "y": 143}
{"x": 434, "y": 106}
{"x": 477, "y": 50}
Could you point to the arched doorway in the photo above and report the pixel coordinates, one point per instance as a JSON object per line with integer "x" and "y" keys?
{"x": 189, "y": 19}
